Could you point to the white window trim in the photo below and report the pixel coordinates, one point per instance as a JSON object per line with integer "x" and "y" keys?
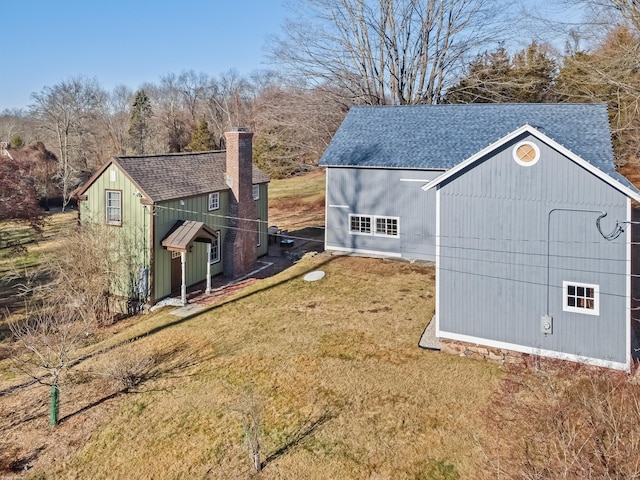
{"x": 258, "y": 223}
{"x": 374, "y": 219}
{"x": 586, "y": 311}
{"x": 370, "y": 217}
{"x": 216, "y": 250}
{"x": 214, "y": 205}
{"x": 375, "y": 226}
{"x": 255, "y": 190}
{"x": 106, "y": 208}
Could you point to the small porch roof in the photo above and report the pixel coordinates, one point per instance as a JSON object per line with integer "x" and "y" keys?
{"x": 184, "y": 233}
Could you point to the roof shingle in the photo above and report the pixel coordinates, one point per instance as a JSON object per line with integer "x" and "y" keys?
{"x": 179, "y": 175}
{"x": 441, "y": 136}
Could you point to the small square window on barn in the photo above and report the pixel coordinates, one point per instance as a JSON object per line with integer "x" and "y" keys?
{"x": 581, "y": 298}
{"x": 113, "y": 207}
{"x": 360, "y": 224}
{"x": 214, "y": 201}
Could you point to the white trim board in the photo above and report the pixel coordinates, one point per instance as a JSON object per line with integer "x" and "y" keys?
{"x": 537, "y": 351}
{"x": 628, "y": 284}
{"x": 363, "y": 252}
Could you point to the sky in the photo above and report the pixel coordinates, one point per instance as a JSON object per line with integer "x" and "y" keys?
{"x": 130, "y": 42}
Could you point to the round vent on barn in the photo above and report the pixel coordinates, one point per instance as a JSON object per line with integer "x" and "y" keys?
{"x": 526, "y": 154}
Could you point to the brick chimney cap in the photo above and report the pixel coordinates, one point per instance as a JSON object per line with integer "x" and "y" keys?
{"x": 239, "y": 130}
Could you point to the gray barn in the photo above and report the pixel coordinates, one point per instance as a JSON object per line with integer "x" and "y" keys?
{"x": 510, "y": 201}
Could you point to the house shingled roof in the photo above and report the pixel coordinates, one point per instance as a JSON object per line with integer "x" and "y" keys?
{"x": 180, "y": 175}
{"x": 441, "y": 136}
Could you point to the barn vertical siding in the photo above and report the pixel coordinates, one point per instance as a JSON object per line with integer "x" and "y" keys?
{"x": 134, "y": 230}
{"x": 493, "y": 255}
{"x": 196, "y": 209}
{"x": 384, "y": 192}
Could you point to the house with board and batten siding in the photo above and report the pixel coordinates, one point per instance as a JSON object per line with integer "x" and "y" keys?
{"x": 520, "y": 207}
{"x": 185, "y": 216}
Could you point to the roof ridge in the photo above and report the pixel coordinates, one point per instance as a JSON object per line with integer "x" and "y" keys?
{"x": 171, "y": 154}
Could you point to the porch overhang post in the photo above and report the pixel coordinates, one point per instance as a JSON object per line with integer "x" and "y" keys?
{"x": 208, "y": 290}
{"x": 183, "y": 288}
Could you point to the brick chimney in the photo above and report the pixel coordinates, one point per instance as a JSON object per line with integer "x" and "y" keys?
{"x": 239, "y": 252}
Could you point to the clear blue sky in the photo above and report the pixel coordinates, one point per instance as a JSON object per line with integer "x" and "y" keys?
{"x": 130, "y": 42}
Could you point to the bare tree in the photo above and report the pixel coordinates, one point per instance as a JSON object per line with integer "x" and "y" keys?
{"x": 193, "y": 88}
{"x": 609, "y": 74}
{"x": 47, "y": 343}
{"x": 65, "y": 112}
{"x": 385, "y": 51}
{"x": 114, "y": 116}
{"x": 293, "y": 126}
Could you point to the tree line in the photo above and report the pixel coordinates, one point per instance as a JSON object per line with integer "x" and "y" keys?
{"x": 332, "y": 55}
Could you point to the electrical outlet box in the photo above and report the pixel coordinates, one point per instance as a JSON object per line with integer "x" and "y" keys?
{"x": 546, "y": 324}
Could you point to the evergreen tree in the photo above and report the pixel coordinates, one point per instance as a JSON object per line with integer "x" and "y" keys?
{"x": 139, "y": 123}
{"x": 495, "y": 77}
{"x": 16, "y": 141}
{"x": 201, "y": 138}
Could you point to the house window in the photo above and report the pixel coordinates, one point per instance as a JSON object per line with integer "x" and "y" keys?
{"x": 256, "y": 192}
{"x": 174, "y": 254}
{"x": 581, "y": 298}
{"x": 387, "y": 226}
{"x": 360, "y": 224}
{"x": 214, "y": 201}
{"x": 215, "y": 249}
{"x": 258, "y": 232}
{"x": 113, "y": 207}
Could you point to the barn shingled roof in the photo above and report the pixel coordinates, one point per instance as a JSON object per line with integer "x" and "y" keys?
{"x": 441, "y": 136}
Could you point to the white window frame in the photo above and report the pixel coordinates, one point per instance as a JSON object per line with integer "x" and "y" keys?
{"x": 214, "y": 201}
{"x": 373, "y": 225}
{"x": 385, "y": 234}
{"x": 255, "y": 190}
{"x": 110, "y": 209}
{"x": 574, "y": 308}
{"x": 536, "y": 156}
{"x": 360, "y": 232}
{"x": 215, "y": 249}
{"x": 258, "y": 223}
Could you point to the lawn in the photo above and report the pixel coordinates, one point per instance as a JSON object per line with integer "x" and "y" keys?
{"x": 22, "y": 259}
{"x": 342, "y": 389}
{"x": 298, "y": 203}
{"x": 331, "y": 370}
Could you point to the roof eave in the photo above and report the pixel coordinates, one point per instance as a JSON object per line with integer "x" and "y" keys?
{"x": 80, "y": 194}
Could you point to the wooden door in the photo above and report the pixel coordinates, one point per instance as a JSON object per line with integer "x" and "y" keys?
{"x": 176, "y": 272}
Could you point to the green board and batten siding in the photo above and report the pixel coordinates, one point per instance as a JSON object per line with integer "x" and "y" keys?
{"x": 196, "y": 209}
{"x": 135, "y": 216}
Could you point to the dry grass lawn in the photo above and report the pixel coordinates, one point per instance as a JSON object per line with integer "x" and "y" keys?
{"x": 297, "y": 203}
{"x": 342, "y": 387}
